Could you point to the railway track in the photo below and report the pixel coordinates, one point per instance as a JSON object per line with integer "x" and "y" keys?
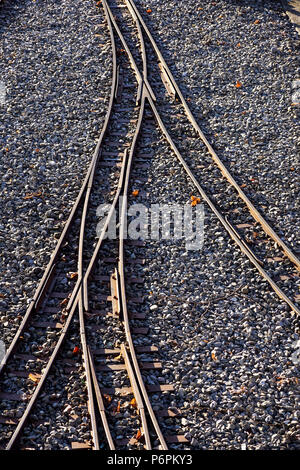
{"x": 84, "y": 273}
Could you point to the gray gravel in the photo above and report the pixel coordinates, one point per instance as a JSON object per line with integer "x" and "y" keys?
{"x": 225, "y": 340}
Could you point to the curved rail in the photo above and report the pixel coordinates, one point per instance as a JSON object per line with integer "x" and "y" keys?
{"x": 88, "y": 365}
{"x": 254, "y": 212}
{"x": 121, "y": 252}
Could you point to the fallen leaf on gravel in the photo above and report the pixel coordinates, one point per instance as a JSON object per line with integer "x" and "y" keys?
{"x": 195, "y": 200}
{"x": 256, "y": 22}
{"x": 34, "y": 377}
{"x": 213, "y": 356}
{"x": 107, "y": 397}
{"x": 72, "y": 275}
{"x": 31, "y": 195}
{"x": 243, "y": 185}
{"x": 76, "y": 350}
{"x": 133, "y": 403}
{"x": 135, "y": 192}
{"x": 119, "y": 357}
{"x": 238, "y": 84}
{"x": 118, "y": 407}
{"x": 241, "y": 390}
{"x": 149, "y": 10}
{"x": 138, "y": 435}
{"x": 64, "y": 302}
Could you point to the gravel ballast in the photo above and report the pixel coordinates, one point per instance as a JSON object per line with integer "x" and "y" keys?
{"x": 226, "y": 341}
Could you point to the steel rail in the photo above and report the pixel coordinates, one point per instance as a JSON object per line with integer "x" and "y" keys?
{"x": 242, "y": 245}
{"x": 49, "y": 272}
{"x": 137, "y": 396}
{"x": 121, "y": 245}
{"x": 86, "y": 363}
{"x": 100, "y": 402}
{"x": 16, "y": 434}
{"x": 123, "y": 185}
{"x": 254, "y": 212}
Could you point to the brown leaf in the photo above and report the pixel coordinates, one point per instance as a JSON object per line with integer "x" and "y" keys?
{"x": 107, "y": 397}
{"x": 31, "y": 195}
{"x": 34, "y": 377}
{"x": 195, "y": 200}
{"x": 73, "y": 275}
{"x": 64, "y": 302}
{"x": 135, "y": 192}
{"x": 133, "y": 403}
{"x": 238, "y": 84}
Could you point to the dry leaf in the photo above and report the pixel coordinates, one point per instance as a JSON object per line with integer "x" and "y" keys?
{"x": 238, "y": 84}
{"x": 73, "y": 275}
{"x": 118, "y": 407}
{"x": 64, "y": 302}
{"x": 119, "y": 357}
{"x": 195, "y": 200}
{"x": 133, "y": 403}
{"x": 107, "y": 397}
{"x": 76, "y": 350}
{"x": 135, "y": 192}
{"x": 31, "y": 195}
{"x": 213, "y": 356}
{"x": 256, "y": 22}
{"x": 138, "y": 435}
{"x": 149, "y": 10}
{"x": 243, "y": 185}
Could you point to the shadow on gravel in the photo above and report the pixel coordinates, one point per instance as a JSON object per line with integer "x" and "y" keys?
{"x": 10, "y": 10}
